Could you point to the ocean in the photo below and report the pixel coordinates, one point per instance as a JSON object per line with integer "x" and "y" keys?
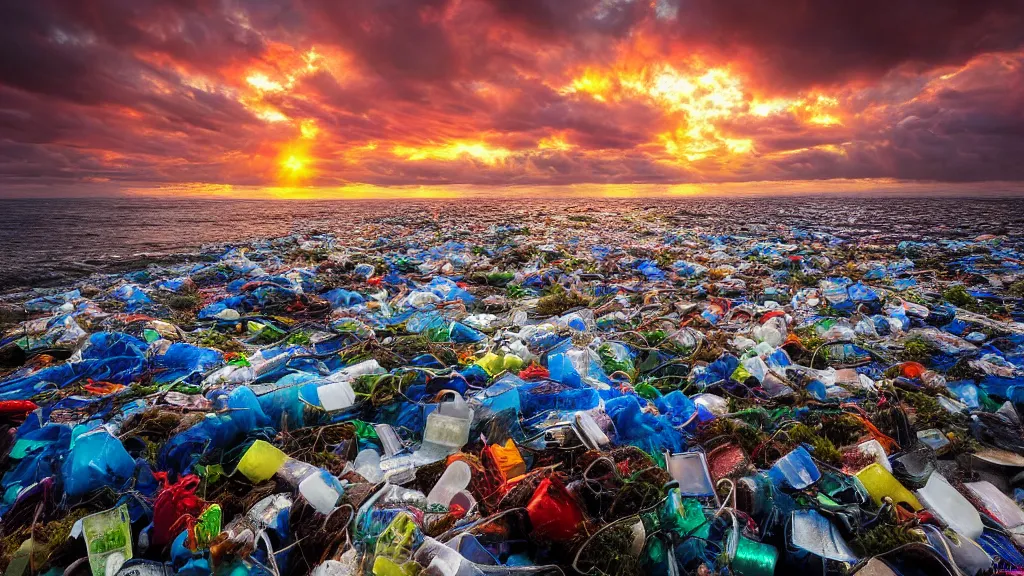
{"x": 48, "y": 243}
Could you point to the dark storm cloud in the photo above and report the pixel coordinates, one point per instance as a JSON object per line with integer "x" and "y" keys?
{"x": 486, "y": 92}
{"x": 812, "y": 42}
{"x": 393, "y": 38}
{"x": 87, "y": 50}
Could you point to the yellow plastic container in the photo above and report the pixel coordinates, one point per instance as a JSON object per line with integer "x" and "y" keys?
{"x": 512, "y": 362}
{"x": 508, "y": 459}
{"x": 881, "y": 484}
{"x": 261, "y": 461}
{"x": 491, "y": 363}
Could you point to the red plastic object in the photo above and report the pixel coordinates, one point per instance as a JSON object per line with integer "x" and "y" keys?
{"x": 553, "y": 512}
{"x": 17, "y": 407}
{"x": 176, "y": 508}
{"x": 534, "y": 371}
{"x": 912, "y": 370}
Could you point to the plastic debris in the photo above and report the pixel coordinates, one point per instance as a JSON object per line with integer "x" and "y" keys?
{"x": 507, "y": 400}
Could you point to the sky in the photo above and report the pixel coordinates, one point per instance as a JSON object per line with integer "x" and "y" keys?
{"x": 318, "y": 97}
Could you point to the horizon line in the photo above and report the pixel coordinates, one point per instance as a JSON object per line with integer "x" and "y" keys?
{"x": 361, "y": 191}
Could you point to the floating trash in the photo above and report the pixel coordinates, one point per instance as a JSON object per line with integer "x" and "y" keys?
{"x": 656, "y": 400}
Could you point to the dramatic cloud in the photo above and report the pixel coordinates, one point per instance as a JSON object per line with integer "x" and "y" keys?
{"x": 341, "y": 93}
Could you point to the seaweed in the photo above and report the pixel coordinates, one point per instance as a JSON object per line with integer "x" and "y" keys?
{"x": 840, "y": 429}
{"x": 213, "y": 339}
{"x": 53, "y": 535}
{"x": 515, "y": 291}
{"x": 917, "y": 349}
{"x": 607, "y": 551}
{"x": 883, "y": 538}
{"x": 928, "y": 413}
{"x": 958, "y": 295}
{"x": 824, "y": 449}
{"x": 560, "y": 301}
{"x": 187, "y": 301}
{"x": 747, "y": 436}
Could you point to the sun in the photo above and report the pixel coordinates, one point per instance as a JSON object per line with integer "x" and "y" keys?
{"x": 294, "y": 166}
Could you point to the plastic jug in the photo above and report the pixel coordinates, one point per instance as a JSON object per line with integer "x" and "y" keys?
{"x": 367, "y": 465}
{"x": 448, "y": 426}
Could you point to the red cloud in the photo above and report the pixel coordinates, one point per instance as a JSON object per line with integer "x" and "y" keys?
{"x": 494, "y": 92}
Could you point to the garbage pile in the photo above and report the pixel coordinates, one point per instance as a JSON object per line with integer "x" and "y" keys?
{"x": 649, "y": 400}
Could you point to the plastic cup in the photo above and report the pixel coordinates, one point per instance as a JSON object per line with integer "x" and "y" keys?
{"x": 454, "y": 480}
{"x": 320, "y": 492}
{"x": 261, "y": 461}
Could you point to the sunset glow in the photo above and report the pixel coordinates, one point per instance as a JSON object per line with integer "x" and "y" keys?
{"x": 506, "y": 93}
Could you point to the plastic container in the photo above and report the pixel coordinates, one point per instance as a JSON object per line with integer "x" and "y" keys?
{"x": 336, "y": 396}
{"x": 508, "y": 459}
{"x": 295, "y": 471}
{"x": 1001, "y": 507}
{"x": 950, "y": 506}
{"x": 690, "y": 471}
{"x": 880, "y": 483}
{"x": 108, "y": 540}
{"x": 321, "y": 490}
{"x": 454, "y": 480}
{"x": 795, "y": 469}
{"x": 553, "y": 512}
{"x": 812, "y": 532}
{"x": 589, "y": 431}
{"x": 261, "y": 461}
{"x": 874, "y": 448}
{"x": 448, "y": 426}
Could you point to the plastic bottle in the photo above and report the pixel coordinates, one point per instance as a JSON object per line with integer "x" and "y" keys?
{"x": 454, "y": 480}
{"x": 354, "y": 371}
{"x": 367, "y": 465}
{"x": 321, "y": 490}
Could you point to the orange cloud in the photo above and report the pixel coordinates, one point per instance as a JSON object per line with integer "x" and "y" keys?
{"x": 497, "y": 93}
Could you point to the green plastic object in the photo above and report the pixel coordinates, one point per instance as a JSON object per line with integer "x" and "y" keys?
{"x": 108, "y": 540}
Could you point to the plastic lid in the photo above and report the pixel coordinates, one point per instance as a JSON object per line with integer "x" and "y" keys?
{"x": 336, "y": 396}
